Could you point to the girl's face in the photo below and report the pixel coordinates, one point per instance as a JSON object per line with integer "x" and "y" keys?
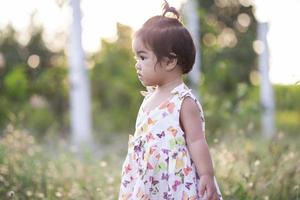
{"x": 149, "y": 71}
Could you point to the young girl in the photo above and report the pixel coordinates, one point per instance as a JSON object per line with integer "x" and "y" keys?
{"x": 168, "y": 156}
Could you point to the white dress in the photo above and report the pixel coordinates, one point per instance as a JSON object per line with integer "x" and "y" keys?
{"x": 158, "y": 164}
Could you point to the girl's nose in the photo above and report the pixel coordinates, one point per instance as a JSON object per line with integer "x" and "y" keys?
{"x": 137, "y": 66}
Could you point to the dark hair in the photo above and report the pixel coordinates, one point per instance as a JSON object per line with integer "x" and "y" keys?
{"x": 167, "y": 37}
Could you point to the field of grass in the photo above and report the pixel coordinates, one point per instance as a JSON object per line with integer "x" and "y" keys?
{"x": 247, "y": 167}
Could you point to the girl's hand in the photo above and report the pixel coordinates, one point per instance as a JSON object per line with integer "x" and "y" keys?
{"x": 207, "y": 184}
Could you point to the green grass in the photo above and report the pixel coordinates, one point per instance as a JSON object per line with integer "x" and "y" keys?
{"x": 246, "y": 165}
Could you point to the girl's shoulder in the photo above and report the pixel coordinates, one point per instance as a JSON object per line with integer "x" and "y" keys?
{"x": 183, "y": 91}
{"x": 188, "y": 101}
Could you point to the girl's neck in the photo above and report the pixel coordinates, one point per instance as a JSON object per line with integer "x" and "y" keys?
{"x": 169, "y": 85}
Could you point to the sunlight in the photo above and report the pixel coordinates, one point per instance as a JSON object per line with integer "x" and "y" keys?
{"x": 284, "y": 43}
{"x": 283, "y": 39}
{"x": 99, "y": 21}
{"x": 33, "y": 61}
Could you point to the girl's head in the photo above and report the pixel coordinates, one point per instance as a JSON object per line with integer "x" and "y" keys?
{"x": 166, "y": 37}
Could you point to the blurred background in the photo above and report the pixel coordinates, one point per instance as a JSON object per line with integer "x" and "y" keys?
{"x": 69, "y": 94}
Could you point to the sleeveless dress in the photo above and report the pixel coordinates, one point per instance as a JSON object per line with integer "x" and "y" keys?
{"x": 158, "y": 164}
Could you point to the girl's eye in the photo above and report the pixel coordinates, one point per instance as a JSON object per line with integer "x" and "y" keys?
{"x": 139, "y": 58}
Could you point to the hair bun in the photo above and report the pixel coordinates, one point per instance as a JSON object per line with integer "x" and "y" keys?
{"x": 167, "y": 9}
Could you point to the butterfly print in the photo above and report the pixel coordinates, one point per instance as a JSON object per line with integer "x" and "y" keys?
{"x": 158, "y": 164}
{"x": 173, "y": 131}
{"x": 188, "y": 185}
{"x": 161, "y": 166}
{"x": 127, "y": 168}
{"x": 157, "y": 156}
{"x": 153, "y": 181}
{"x": 164, "y": 176}
{"x": 164, "y": 114}
{"x": 150, "y": 121}
{"x": 187, "y": 170}
{"x": 174, "y": 155}
{"x": 169, "y": 105}
{"x": 160, "y": 135}
{"x": 149, "y": 166}
{"x": 152, "y": 149}
{"x": 149, "y": 137}
{"x": 125, "y": 183}
{"x": 126, "y": 196}
{"x": 165, "y": 151}
{"x": 176, "y": 183}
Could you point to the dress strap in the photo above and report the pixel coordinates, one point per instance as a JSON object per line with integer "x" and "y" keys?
{"x": 182, "y": 92}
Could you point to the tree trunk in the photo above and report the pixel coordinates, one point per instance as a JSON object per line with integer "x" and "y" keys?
{"x": 266, "y": 90}
{"x": 80, "y": 90}
{"x": 193, "y": 25}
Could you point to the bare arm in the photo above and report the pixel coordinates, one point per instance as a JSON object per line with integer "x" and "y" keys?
{"x": 192, "y": 124}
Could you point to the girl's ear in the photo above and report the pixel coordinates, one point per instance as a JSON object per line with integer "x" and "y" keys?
{"x": 170, "y": 63}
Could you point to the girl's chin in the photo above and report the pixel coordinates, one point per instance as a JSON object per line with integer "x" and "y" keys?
{"x": 142, "y": 81}
{"x": 145, "y": 84}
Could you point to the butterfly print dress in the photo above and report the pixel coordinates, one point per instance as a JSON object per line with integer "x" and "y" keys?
{"x": 158, "y": 165}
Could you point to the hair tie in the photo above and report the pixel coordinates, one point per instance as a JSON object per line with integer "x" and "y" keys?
{"x": 168, "y": 9}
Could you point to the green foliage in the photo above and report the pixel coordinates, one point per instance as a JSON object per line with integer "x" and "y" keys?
{"x": 229, "y": 98}
{"x": 246, "y": 167}
{"x": 224, "y": 114}
{"x": 288, "y": 108}
{"x": 21, "y": 83}
{"x": 53, "y": 85}
{"x": 227, "y": 59}
{"x": 41, "y": 119}
{"x": 27, "y": 171}
{"x": 253, "y": 168}
{"x": 16, "y": 84}
{"x": 115, "y": 87}
{"x": 113, "y": 78}
{"x": 12, "y": 50}
{"x": 227, "y": 54}
{"x": 287, "y": 96}
{"x": 36, "y": 99}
